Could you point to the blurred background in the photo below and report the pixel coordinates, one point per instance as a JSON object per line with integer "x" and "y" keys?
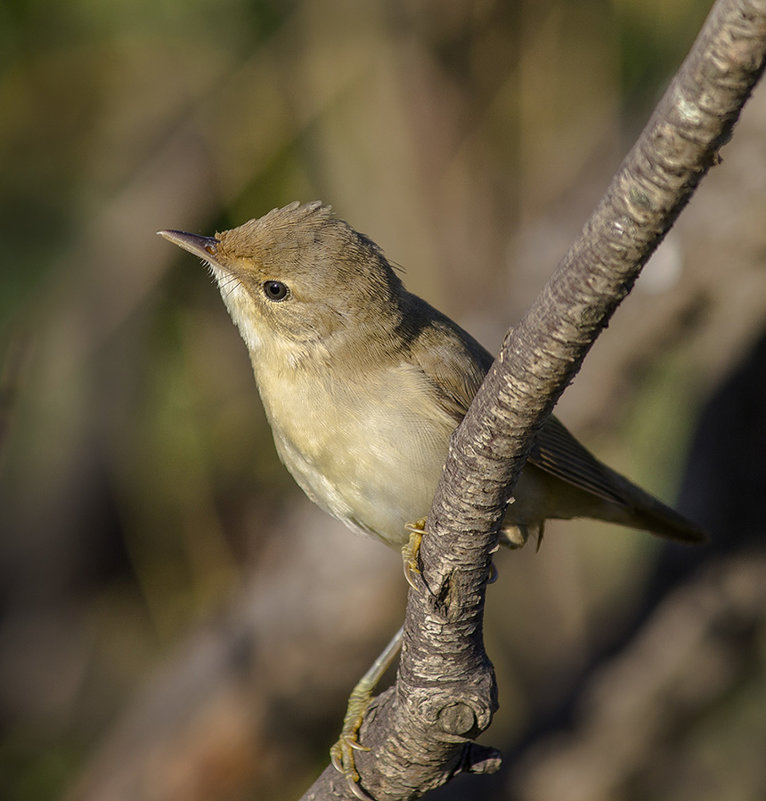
{"x": 178, "y": 622}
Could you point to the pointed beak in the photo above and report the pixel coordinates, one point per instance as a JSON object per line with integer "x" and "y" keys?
{"x": 206, "y": 247}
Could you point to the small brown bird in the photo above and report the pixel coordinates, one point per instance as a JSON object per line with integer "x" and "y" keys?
{"x": 363, "y": 383}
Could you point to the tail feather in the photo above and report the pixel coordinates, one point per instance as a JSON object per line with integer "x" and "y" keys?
{"x": 604, "y": 493}
{"x": 652, "y": 515}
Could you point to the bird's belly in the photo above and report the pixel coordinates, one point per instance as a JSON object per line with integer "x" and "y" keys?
{"x": 376, "y": 477}
{"x": 373, "y": 493}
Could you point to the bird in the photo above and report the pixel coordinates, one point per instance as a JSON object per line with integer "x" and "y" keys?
{"x": 363, "y": 383}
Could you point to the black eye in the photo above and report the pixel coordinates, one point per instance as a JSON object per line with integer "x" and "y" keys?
{"x": 275, "y": 290}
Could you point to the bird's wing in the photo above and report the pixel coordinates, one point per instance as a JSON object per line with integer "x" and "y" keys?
{"x": 557, "y": 452}
{"x": 455, "y": 365}
{"x": 453, "y": 362}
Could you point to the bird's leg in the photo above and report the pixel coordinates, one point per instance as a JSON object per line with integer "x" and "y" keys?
{"x": 342, "y": 753}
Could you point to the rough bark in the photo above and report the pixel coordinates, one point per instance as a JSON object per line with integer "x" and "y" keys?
{"x": 420, "y": 731}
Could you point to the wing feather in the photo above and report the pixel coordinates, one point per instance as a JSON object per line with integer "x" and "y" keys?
{"x": 557, "y": 452}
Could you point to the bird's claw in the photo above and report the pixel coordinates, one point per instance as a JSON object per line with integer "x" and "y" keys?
{"x": 342, "y": 752}
{"x": 411, "y": 551}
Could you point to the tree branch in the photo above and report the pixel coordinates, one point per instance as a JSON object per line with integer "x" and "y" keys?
{"x": 419, "y": 732}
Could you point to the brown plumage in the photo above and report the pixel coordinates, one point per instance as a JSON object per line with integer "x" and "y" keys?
{"x": 363, "y": 383}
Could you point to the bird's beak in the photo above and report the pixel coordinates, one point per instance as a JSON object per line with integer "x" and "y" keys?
{"x": 206, "y": 247}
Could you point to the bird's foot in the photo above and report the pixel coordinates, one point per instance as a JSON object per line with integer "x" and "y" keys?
{"x": 411, "y": 551}
{"x": 342, "y": 753}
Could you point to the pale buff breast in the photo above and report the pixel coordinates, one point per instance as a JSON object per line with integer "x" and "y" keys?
{"x": 369, "y": 449}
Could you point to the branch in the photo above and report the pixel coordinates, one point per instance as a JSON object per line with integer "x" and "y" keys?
{"x": 419, "y": 732}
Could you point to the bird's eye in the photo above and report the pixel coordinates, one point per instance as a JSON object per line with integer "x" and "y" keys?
{"x": 275, "y": 290}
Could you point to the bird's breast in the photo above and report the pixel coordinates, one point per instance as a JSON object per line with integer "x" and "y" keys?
{"x": 368, "y": 447}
